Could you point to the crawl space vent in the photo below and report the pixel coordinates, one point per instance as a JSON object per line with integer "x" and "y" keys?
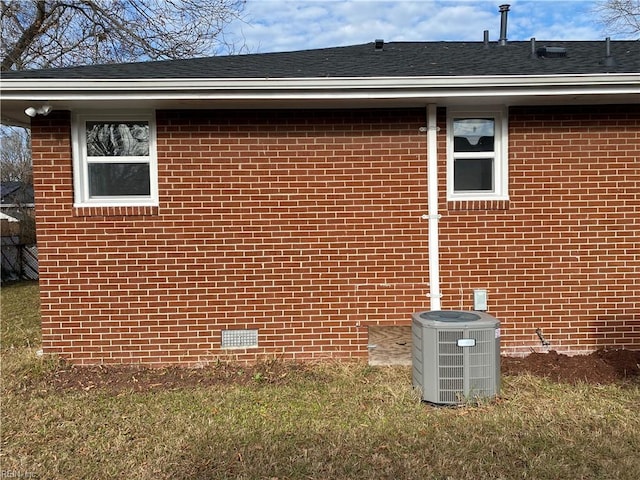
{"x": 239, "y": 338}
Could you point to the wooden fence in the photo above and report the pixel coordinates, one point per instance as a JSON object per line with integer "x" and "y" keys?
{"x": 19, "y": 261}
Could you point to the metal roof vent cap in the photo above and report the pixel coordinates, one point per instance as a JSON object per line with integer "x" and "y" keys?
{"x": 551, "y": 52}
{"x": 504, "y": 11}
{"x": 378, "y": 45}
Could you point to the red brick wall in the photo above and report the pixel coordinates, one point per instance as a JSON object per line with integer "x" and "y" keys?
{"x": 306, "y": 226}
{"x": 563, "y": 254}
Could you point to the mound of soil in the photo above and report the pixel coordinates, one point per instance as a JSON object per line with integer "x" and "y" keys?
{"x": 600, "y": 367}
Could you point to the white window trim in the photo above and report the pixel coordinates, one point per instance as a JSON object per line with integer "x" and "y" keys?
{"x": 501, "y": 160}
{"x": 81, "y": 164}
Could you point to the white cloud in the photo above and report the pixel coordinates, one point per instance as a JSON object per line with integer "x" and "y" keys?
{"x": 284, "y": 25}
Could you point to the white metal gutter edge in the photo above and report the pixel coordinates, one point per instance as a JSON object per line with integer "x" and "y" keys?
{"x": 378, "y": 94}
{"x": 320, "y": 95}
{"x": 8, "y": 86}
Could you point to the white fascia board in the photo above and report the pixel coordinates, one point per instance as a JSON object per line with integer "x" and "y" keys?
{"x": 306, "y": 88}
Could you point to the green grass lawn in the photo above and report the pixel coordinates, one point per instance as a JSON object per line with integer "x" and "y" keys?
{"x": 327, "y": 421}
{"x": 20, "y": 306}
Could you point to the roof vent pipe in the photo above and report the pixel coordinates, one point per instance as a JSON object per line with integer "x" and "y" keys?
{"x": 533, "y": 47}
{"x": 486, "y": 39}
{"x": 609, "y": 61}
{"x": 504, "y": 11}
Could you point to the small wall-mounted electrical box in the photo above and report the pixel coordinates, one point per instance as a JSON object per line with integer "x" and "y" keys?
{"x": 480, "y": 300}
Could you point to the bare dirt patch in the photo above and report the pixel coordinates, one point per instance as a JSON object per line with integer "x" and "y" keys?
{"x": 600, "y": 367}
{"x": 118, "y": 378}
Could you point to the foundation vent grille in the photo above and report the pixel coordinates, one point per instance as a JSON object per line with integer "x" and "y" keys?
{"x": 239, "y": 338}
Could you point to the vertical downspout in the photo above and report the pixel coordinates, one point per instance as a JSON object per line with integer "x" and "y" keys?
{"x": 434, "y": 217}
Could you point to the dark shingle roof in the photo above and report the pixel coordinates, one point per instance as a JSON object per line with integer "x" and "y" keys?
{"x": 15, "y": 192}
{"x": 397, "y": 59}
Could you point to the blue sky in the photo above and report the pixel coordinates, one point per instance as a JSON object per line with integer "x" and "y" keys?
{"x": 284, "y": 25}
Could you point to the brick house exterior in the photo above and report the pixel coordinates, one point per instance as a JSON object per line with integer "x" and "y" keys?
{"x": 300, "y": 219}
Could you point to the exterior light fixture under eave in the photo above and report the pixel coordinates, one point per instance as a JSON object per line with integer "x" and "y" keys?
{"x": 44, "y": 110}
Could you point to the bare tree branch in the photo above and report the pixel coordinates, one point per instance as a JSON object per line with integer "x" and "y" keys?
{"x": 16, "y": 51}
{"x": 15, "y": 167}
{"x": 58, "y": 33}
{"x": 15, "y": 155}
{"x": 620, "y": 16}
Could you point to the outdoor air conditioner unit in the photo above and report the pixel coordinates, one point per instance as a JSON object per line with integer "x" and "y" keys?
{"x": 456, "y": 356}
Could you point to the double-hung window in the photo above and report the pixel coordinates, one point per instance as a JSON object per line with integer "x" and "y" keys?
{"x": 115, "y": 161}
{"x": 477, "y": 166}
